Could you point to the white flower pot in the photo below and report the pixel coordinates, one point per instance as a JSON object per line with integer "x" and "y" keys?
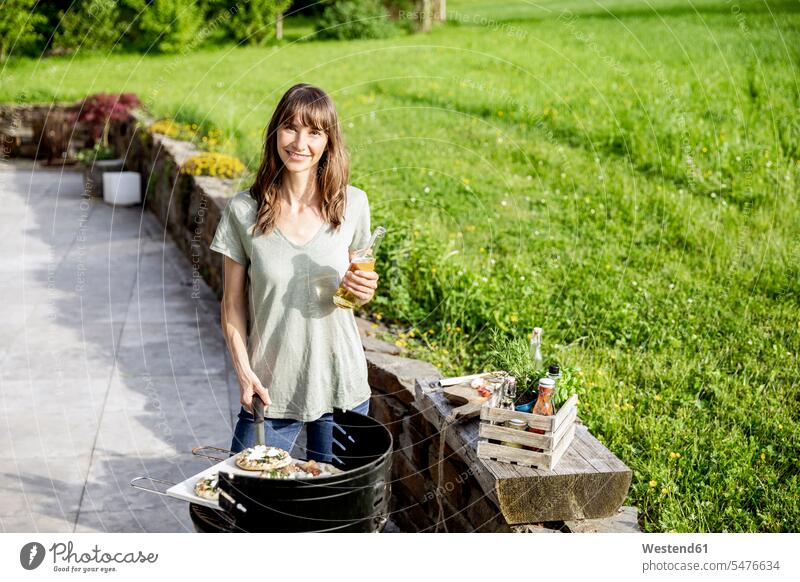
{"x": 93, "y": 174}
{"x": 122, "y": 188}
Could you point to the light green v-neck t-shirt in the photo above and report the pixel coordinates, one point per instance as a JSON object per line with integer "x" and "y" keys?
{"x": 305, "y": 350}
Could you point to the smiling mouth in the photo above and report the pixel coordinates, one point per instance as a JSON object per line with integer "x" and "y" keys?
{"x": 297, "y": 156}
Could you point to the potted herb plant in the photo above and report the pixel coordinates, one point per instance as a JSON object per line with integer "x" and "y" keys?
{"x": 97, "y": 112}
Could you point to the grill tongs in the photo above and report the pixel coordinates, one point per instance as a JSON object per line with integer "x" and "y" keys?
{"x": 258, "y": 419}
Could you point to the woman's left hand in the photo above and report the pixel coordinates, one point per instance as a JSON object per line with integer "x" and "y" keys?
{"x": 362, "y": 284}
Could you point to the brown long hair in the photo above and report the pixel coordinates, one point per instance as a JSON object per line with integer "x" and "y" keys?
{"x": 315, "y": 109}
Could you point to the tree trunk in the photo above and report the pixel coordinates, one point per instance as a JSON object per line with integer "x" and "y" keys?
{"x": 440, "y": 10}
{"x": 426, "y": 15}
{"x": 279, "y": 27}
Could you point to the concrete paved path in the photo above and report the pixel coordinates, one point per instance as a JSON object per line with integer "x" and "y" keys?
{"x": 109, "y": 367}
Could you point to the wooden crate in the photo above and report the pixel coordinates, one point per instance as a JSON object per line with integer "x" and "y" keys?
{"x": 559, "y": 431}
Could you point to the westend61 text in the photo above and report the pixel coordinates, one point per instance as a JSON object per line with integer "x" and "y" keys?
{"x": 65, "y": 553}
{"x": 667, "y": 549}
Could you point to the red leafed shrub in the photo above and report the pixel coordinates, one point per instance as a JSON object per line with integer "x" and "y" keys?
{"x": 99, "y": 110}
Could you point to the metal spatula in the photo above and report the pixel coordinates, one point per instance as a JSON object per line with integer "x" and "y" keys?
{"x": 258, "y": 416}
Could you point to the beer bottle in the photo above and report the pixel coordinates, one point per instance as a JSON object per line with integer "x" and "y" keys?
{"x": 364, "y": 260}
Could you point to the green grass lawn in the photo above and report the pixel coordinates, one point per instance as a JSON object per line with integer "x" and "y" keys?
{"x": 622, "y": 173}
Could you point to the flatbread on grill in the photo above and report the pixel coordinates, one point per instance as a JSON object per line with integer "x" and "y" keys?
{"x": 263, "y": 458}
{"x": 208, "y": 487}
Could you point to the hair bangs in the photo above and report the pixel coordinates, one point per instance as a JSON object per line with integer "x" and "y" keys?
{"x": 311, "y": 111}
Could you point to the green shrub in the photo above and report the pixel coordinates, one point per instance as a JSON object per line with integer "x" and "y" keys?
{"x": 216, "y": 18}
{"x": 96, "y": 153}
{"x": 355, "y": 19}
{"x": 89, "y": 26}
{"x": 254, "y": 21}
{"x": 166, "y": 26}
{"x": 18, "y": 23}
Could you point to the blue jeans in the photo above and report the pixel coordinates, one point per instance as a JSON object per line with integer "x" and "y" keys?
{"x": 283, "y": 432}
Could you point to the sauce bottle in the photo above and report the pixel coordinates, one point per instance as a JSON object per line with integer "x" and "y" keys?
{"x": 544, "y": 405}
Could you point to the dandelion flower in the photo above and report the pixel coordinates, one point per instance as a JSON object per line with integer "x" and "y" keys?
{"x": 653, "y": 483}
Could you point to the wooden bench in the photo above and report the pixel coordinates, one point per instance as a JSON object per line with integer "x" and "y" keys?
{"x": 589, "y": 482}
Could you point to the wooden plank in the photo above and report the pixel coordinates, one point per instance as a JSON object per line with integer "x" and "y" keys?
{"x": 547, "y": 423}
{"x": 510, "y": 454}
{"x": 550, "y": 496}
{"x": 562, "y": 446}
{"x": 570, "y": 406}
{"x": 567, "y": 422}
{"x": 582, "y": 448}
{"x": 501, "y": 415}
{"x": 543, "y": 460}
{"x": 598, "y": 455}
{"x": 573, "y": 462}
{"x": 522, "y": 437}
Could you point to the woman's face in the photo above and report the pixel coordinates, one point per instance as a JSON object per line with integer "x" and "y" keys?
{"x": 300, "y": 147}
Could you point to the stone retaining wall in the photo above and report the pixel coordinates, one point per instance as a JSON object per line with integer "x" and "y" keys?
{"x": 22, "y": 128}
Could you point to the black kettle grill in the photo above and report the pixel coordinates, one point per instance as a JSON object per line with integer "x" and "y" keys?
{"x": 355, "y": 500}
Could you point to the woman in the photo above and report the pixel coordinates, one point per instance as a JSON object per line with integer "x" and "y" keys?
{"x": 293, "y": 234}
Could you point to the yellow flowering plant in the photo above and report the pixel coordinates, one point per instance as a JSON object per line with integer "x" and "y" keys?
{"x": 213, "y": 164}
{"x": 173, "y": 129}
{"x": 205, "y": 139}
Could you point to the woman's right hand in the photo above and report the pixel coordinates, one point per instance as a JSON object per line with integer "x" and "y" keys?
{"x": 249, "y": 384}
